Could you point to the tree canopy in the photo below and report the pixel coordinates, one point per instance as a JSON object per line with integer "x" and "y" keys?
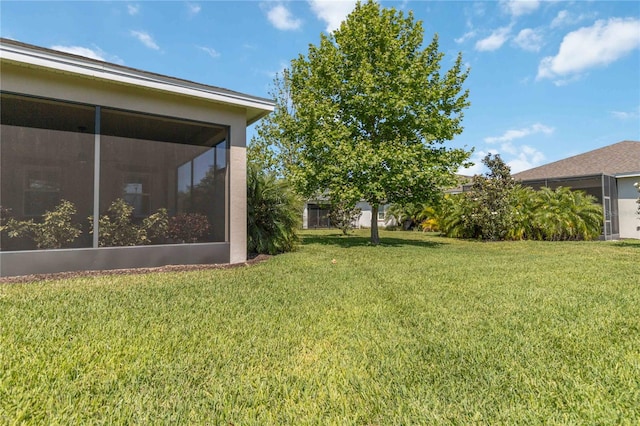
{"x": 364, "y": 115}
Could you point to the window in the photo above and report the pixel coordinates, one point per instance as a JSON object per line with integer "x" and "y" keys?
{"x": 41, "y": 190}
{"x": 154, "y": 162}
{"x": 136, "y": 193}
{"x": 47, "y": 156}
{"x": 381, "y": 213}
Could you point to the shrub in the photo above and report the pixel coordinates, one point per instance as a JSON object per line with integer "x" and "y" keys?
{"x": 485, "y": 212}
{"x": 5, "y": 215}
{"x": 343, "y": 215}
{"x": 117, "y": 229}
{"x": 55, "y": 231}
{"x": 410, "y": 216}
{"x": 188, "y": 227}
{"x": 497, "y": 208}
{"x": 564, "y": 214}
{"x": 453, "y": 216}
{"x": 274, "y": 213}
{"x": 429, "y": 219}
{"x": 537, "y": 215}
{"x": 404, "y": 215}
{"x": 491, "y": 215}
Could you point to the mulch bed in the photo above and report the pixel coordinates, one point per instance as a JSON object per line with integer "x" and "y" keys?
{"x": 131, "y": 271}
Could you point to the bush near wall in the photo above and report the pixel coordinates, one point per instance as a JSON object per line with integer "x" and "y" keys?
{"x": 274, "y": 213}
{"x": 547, "y": 215}
{"x": 497, "y": 208}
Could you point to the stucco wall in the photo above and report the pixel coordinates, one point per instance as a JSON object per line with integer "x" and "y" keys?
{"x": 627, "y": 207}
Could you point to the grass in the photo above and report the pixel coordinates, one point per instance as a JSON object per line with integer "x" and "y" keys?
{"x": 418, "y": 330}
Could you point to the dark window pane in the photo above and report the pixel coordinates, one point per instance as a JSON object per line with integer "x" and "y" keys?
{"x": 47, "y": 156}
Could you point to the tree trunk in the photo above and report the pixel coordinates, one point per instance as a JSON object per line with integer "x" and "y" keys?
{"x": 375, "y": 237}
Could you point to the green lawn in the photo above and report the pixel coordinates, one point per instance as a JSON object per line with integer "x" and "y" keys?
{"x": 419, "y": 330}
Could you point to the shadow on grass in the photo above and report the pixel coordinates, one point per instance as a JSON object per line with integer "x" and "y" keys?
{"x": 347, "y": 241}
{"x": 628, "y": 244}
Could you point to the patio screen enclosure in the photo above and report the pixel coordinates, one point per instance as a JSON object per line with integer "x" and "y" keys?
{"x": 172, "y": 173}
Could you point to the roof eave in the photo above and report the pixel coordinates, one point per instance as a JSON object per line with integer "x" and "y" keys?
{"x": 255, "y": 107}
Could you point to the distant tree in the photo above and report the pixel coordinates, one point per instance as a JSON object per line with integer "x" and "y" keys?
{"x": 275, "y": 147}
{"x": 491, "y": 201}
{"x": 364, "y": 115}
{"x": 343, "y": 215}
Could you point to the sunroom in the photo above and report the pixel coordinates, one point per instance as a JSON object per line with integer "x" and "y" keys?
{"x": 108, "y": 167}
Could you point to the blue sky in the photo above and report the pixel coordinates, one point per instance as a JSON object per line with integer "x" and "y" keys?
{"x": 549, "y": 79}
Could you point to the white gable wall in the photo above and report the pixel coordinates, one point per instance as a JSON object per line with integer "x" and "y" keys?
{"x": 627, "y": 207}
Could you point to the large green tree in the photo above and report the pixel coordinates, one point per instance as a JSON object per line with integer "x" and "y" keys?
{"x": 365, "y": 114}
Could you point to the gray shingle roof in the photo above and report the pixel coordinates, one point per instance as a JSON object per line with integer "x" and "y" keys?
{"x": 619, "y": 158}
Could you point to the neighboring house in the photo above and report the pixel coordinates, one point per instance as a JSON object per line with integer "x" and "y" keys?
{"x": 608, "y": 174}
{"x": 92, "y": 132}
{"x": 316, "y": 215}
{"x": 316, "y": 211}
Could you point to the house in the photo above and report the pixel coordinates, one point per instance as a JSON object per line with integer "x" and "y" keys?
{"x": 607, "y": 173}
{"x": 92, "y": 133}
{"x": 316, "y": 211}
{"x": 316, "y": 215}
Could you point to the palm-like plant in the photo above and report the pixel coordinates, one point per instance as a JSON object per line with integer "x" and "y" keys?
{"x": 453, "y": 216}
{"x": 428, "y": 218}
{"x": 564, "y": 214}
{"x": 525, "y": 204}
{"x": 274, "y": 213}
{"x": 404, "y": 215}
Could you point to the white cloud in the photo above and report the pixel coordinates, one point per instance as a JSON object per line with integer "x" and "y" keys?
{"x": 477, "y": 168}
{"x": 518, "y": 158}
{"x": 626, "y": 115}
{"x": 565, "y": 18}
{"x": 133, "y": 9}
{"x": 519, "y": 7}
{"x": 525, "y": 158}
{"x": 566, "y": 81}
{"x": 211, "y": 51}
{"x": 194, "y": 8}
{"x": 282, "y": 19}
{"x": 332, "y": 12}
{"x": 495, "y": 41}
{"x": 529, "y": 39}
{"x": 479, "y": 8}
{"x": 512, "y": 134}
{"x": 81, "y": 51}
{"x": 561, "y": 19}
{"x": 598, "y": 45}
{"x": 145, "y": 39}
{"x": 466, "y": 36}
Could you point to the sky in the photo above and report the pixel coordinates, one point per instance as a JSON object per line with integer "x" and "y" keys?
{"x": 548, "y": 79}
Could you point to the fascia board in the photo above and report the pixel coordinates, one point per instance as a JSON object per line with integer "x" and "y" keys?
{"x": 627, "y": 175}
